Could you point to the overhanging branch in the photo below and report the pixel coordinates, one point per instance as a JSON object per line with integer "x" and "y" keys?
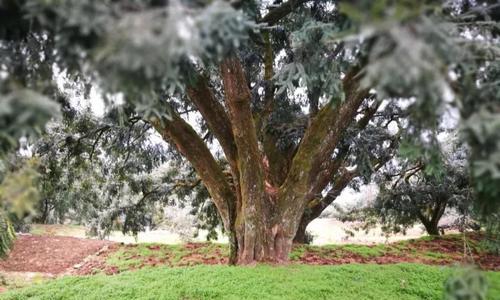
{"x": 215, "y": 115}
{"x": 184, "y": 138}
{"x": 238, "y": 98}
{"x": 320, "y": 140}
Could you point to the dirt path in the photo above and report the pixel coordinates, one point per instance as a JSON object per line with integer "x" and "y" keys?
{"x": 49, "y": 254}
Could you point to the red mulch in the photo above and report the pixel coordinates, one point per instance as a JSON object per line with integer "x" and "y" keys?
{"x": 310, "y": 258}
{"x": 49, "y": 254}
{"x": 452, "y": 249}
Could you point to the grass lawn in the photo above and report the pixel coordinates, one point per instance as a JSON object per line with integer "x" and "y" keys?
{"x": 400, "y": 281}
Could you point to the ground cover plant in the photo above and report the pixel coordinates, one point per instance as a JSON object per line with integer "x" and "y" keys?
{"x": 446, "y": 250}
{"x": 398, "y": 281}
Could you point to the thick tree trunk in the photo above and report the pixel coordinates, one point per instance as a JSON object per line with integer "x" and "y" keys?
{"x": 269, "y": 241}
{"x": 431, "y": 228}
{"x": 301, "y": 235}
{"x": 431, "y": 225}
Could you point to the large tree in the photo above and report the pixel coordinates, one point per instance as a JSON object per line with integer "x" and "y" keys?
{"x": 293, "y": 101}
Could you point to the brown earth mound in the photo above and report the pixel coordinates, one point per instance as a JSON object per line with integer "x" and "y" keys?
{"x": 49, "y": 254}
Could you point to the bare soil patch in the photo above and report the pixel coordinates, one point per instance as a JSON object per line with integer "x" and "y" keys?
{"x": 49, "y": 254}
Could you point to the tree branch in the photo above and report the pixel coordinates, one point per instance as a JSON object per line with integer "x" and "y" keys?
{"x": 343, "y": 119}
{"x": 238, "y": 100}
{"x": 317, "y": 207}
{"x": 215, "y": 115}
{"x": 325, "y": 176}
{"x": 340, "y": 182}
{"x": 189, "y": 184}
{"x": 369, "y": 114}
{"x": 184, "y": 138}
{"x": 94, "y": 145}
{"x": 320, "y": 140}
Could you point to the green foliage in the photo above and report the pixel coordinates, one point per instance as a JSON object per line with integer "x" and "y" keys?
{"x": 483, "y": 131}
{"x": 492, "y": 240}
{"x": 466, "y": 284}
{"x": 23, "y": 113}
{"x": 140, "y": 48}
{"x": 404, "y": 40}
{"x": 7, "y": 234}
{"x": 309, "y": 68}
{"x": 402, "y": 281}
{"x": 18, "y": 190}
{"x": 421, "y": 57}
{"x": 436, "y": 54}
{"x": 18, "y": 197}
{"x": 415, "y": 151}
{"x": 99, "y": 173}
{"x": 420, "y": 185}
{"x": 376, "y": 12}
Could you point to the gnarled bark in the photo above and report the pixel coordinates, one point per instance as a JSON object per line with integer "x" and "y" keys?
{"x": 255, "y": 220}
{"x": 260, "y": 225}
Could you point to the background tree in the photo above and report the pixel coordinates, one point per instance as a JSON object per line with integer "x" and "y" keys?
{"x": 95, "y": 171}
{"x": 415, "y": 191}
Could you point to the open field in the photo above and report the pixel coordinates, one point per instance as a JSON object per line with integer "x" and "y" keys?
{"x": 324, "y": 230}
